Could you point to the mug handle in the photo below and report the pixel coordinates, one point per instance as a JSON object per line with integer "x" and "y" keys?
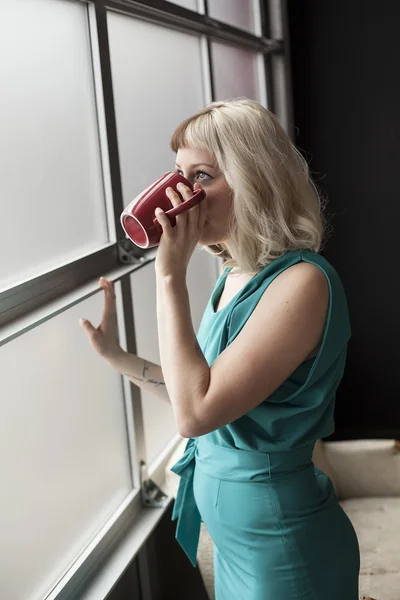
{"x": 176, "y": 210}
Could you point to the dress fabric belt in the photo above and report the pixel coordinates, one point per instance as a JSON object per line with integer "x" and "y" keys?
{"x": 232, "y": 464}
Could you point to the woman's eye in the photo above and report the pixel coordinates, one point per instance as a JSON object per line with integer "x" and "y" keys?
{"x": 200, "y": 175}
{"x": 206, "y": 178}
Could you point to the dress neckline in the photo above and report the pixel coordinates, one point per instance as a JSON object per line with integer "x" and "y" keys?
{"x": 216, "y": 296}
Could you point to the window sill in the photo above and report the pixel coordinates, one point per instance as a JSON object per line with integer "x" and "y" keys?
{"x": 109, "y": 572}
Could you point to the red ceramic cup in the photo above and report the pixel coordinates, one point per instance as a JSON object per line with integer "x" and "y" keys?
{"x": 138, "y": 218}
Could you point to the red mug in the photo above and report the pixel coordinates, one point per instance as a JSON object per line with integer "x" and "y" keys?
{"x": 138, "y": 219}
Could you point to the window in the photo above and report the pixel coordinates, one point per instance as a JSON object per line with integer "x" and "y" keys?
{"x": 94, "y": 90}
{"x": 51, "y": 179}
{"x": 157, "y": 81}
{"x": 235, "y": 72}
{"x": 239, "y": 13}
{"x": 64, "y": 450}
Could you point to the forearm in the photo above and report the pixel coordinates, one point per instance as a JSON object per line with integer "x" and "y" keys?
{"x": 143, "y": 373}
{"x": 186, "y": 372}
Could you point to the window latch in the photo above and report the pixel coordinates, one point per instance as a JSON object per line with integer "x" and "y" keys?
{"x": 129, "y": 253}
{"x": 152, "y": 494}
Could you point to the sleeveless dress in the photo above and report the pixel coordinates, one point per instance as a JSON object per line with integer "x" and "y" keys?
{"x": 278, "y": 529}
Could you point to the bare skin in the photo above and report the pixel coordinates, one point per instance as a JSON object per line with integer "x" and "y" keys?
{"x": 233, "y": 285}
{"x": 104, "y": 339}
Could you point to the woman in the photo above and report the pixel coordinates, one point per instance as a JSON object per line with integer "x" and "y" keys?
{"x": 256, "y": 389}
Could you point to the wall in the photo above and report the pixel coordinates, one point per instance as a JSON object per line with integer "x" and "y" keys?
{"x": 345, "y": 65}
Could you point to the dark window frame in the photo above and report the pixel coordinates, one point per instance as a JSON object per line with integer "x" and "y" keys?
{"x": 22, "y": 299}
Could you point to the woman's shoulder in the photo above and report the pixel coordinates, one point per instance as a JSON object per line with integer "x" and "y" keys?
{"x": 302, "y": 283}
{"x": 304, "y": 271}
{"x": 320, "y": 261}
{"x": 295, "y": 267}
{"x": 307, "y": 263}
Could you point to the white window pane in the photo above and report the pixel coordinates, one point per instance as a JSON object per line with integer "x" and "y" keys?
{"x": 51, "y": 192}
{"x": 191, "y": 4}
{"x": 235, "y": 72}
{"x": 64, "y": 458}
{"x": 239, "y": 13}
{"x": 157, "y": 79}
{"x": 158, "y": 418}
{"x": 159, "y": 421}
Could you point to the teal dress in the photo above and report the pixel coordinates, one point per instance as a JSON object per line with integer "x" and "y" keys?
{"x": 278, "y": 529}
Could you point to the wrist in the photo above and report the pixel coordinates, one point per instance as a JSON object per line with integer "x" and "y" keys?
{"x": 115, "y": 356}
{"x": 176, "y": 278}
{"x": 175, "y": 270}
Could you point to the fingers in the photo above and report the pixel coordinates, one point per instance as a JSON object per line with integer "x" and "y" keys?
{"x": 163, "y": 220}
{"x": 193, "y": 215}
{"x": 109, "y": 299}
{"x": 176, "y": 201}
{"x": 109, "y": 305}
{"x": 202, "y": 208}
{"x": 173, "y": 195}
{"x": 108, "y": 288}
{"x": 87, "y": 326}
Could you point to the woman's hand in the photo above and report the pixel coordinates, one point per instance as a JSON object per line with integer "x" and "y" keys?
{"x": 104, "y": 339}
{"x": 178, "y": 243}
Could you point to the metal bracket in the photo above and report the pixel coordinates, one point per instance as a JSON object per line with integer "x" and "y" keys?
{"x": 275, "y": 45}
{"x": 129, "y": 253}
{"x": 152, "y": 494}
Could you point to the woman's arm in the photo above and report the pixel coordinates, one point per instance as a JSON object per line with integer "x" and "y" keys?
{"x": 283, "y": 329}
{"x": 187, "y": 373}
{"x": 104, "y": 340}
{"x": 143, "y": 373}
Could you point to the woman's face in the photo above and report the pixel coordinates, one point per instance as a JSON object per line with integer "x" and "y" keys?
{"x": 200, "y": 166}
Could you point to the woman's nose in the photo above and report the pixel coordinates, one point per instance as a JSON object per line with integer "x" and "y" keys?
{"x": 188, "y": 177}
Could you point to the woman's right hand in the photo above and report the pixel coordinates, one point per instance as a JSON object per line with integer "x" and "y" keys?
{"x": 104, "y": 339}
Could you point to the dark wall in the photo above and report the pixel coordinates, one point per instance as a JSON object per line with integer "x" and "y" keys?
{"x": 171, "y": 576}
{"x": 346, "y": 83}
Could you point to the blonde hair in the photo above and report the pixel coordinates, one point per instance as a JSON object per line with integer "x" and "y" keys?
{"x": 276, "y": 205}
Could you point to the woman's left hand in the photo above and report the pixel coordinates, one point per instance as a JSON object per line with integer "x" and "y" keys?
{"x": 178, "y": 243}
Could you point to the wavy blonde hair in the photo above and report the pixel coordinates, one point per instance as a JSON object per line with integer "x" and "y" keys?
{"x": 276, "y": 205}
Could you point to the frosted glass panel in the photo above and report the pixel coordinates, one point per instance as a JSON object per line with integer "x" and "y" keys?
{"x": 51, "y": 192}
{"x": 235, "y": 72}
{"x": 157, "y": 78}
{"x": 239, "y": 13}
{"x": 159, "y": 421}
{"x": 191, "y": 4}
{"x": 64, "y": 459}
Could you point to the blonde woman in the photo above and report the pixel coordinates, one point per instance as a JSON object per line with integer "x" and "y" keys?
{"x": 256, "y": 388}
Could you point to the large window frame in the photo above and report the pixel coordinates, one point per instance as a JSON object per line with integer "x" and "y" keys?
{"x": 31, "y": 302}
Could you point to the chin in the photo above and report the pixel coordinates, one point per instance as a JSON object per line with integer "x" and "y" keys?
{"x": 209, "y": 238}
